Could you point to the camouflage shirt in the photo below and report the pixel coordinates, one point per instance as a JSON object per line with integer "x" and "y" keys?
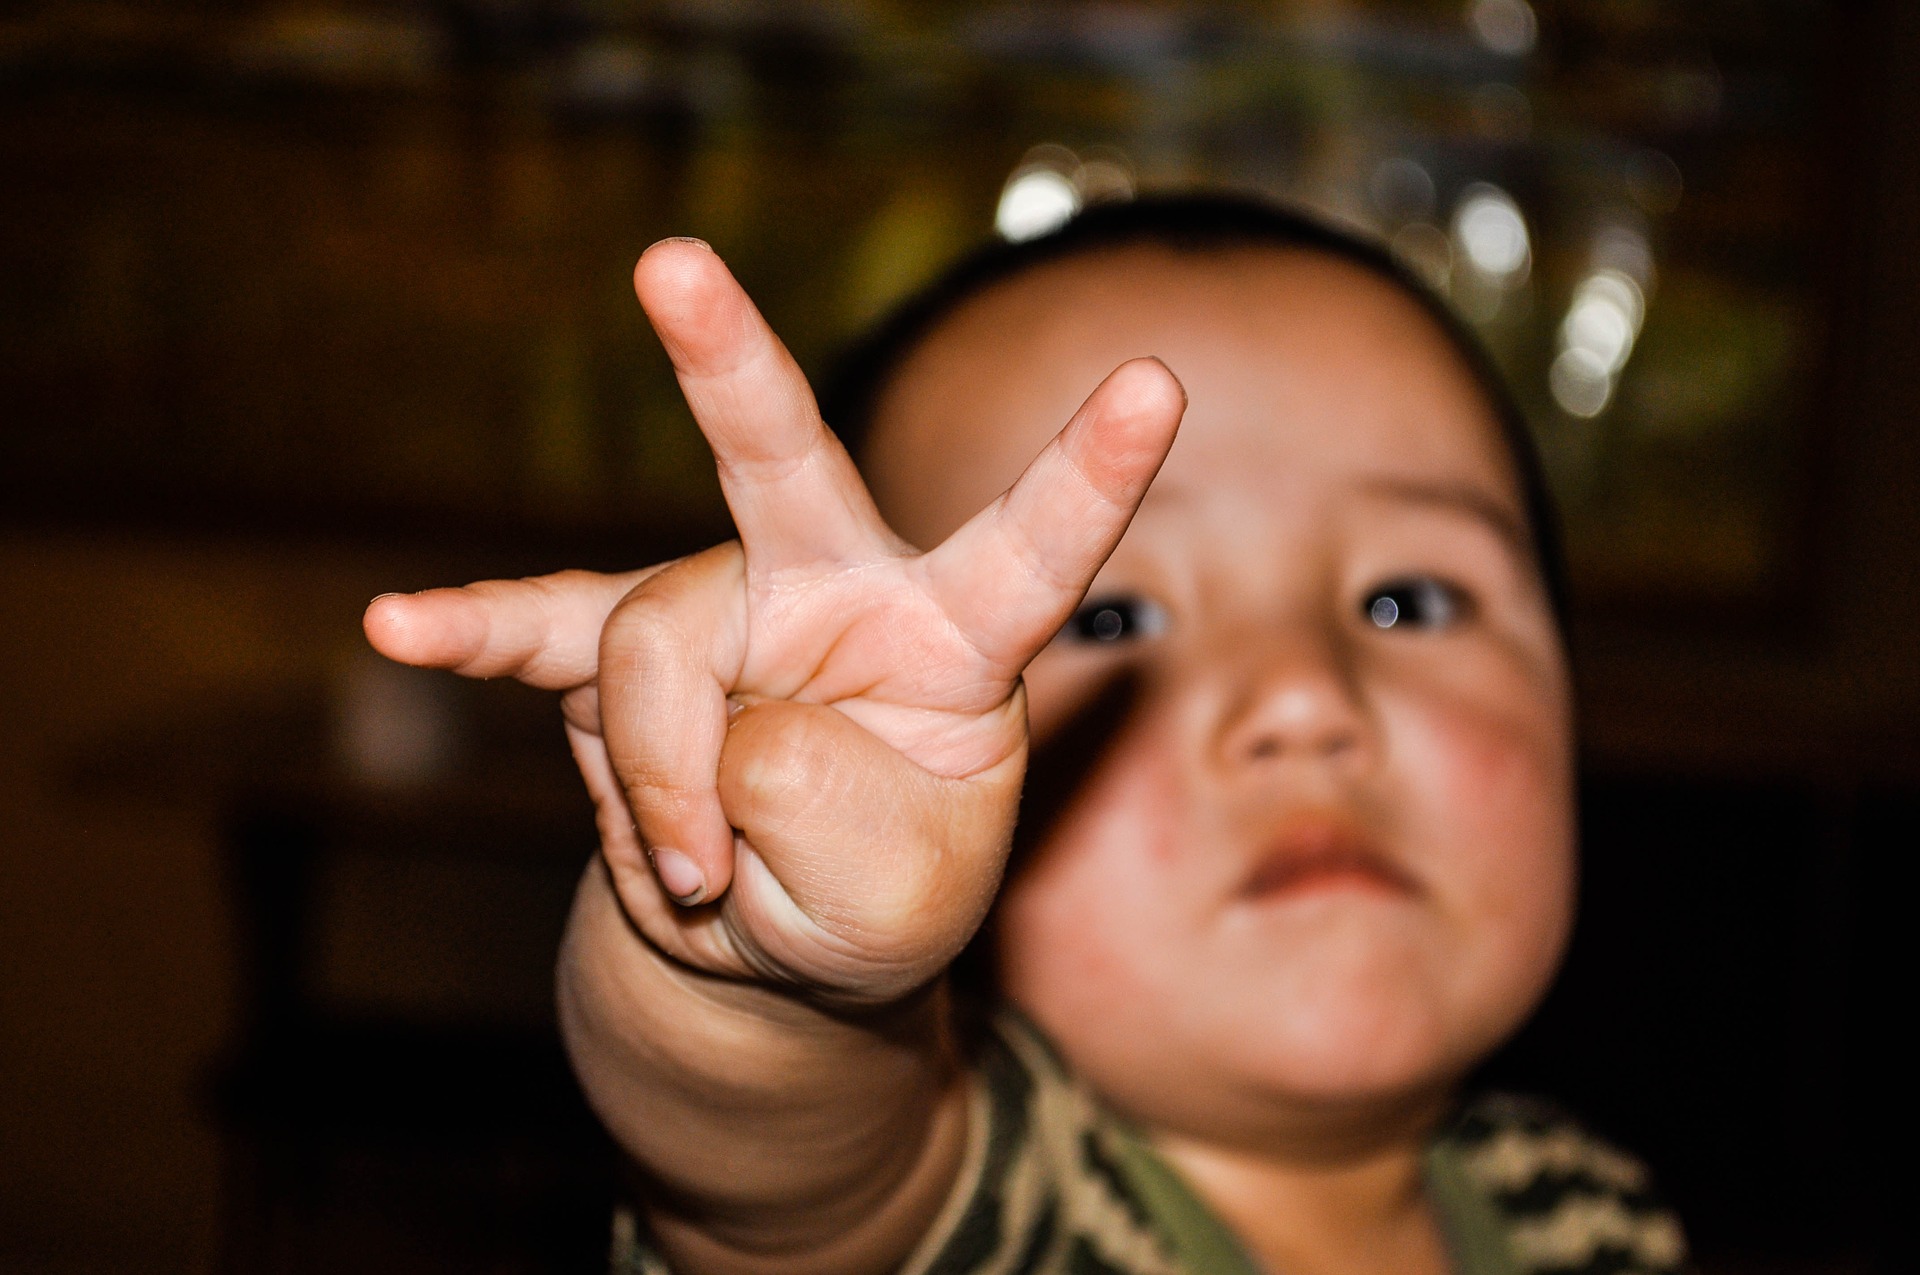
{"x": 1054, "y": 1184}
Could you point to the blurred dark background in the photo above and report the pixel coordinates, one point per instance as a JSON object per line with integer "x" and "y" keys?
{"x": 301, "y": 302}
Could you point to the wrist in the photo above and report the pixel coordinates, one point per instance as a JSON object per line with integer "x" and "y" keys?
{"x": 678, "y": 1062}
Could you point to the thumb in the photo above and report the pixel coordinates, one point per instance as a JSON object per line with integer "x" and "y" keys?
{"x": 872, "y": 863}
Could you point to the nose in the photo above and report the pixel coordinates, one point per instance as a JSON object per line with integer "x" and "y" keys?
{"x": 1292, "y": 697}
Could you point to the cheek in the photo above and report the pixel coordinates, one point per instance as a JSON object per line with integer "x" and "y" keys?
{"x": 1094, "y": 893}
{"x": 1491, "y": 782}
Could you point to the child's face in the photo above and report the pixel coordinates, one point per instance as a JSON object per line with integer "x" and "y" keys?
{"x": 1324, "y": 863}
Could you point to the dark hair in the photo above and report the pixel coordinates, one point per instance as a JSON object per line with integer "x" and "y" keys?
{"x": 1189, "y": 223}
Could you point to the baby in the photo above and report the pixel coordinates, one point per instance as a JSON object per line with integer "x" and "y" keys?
{"x": 1314, "y": 859}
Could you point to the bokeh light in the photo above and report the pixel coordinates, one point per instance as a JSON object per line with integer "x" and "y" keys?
{"x": 1596, "y": 339}
{"x": 1401, "y": 189}
{"x": 1580, "y": 383}
{"x": 1035, "y": 201}
{"x": 1492, "y": 233}
{"x": 1052, "y": 183}
{"x": 1505, "y": 26}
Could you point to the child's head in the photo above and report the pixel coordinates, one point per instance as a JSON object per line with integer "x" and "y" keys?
{"x": 1324, "y": 863}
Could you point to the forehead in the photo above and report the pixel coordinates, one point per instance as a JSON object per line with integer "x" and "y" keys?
{"x": 1302, "y": 371}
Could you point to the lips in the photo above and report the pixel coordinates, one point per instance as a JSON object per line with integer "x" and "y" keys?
{"x": 1320, "y": 856}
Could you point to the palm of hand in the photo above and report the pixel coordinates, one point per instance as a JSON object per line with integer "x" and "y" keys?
{"x": 866, "y": 783}
{"x": 874, "y": 640}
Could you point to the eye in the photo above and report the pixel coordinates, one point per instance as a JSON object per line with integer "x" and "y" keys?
{"x": 1117, "y": 617}
{"x": 1418, "y": 602}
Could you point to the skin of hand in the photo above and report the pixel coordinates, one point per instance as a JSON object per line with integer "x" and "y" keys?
{"x": 805, "y": 752}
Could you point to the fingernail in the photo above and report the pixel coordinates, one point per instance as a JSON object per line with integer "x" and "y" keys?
{"x": 679, "y": 875}
{"x": 685, "y": 239}
{"x": 379, "y": 596}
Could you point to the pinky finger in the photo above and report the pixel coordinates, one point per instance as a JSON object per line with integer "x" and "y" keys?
{"x": 640, "y": 894}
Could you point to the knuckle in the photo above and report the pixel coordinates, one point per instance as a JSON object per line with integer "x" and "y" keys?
{"x": 654, "y": 787}
{"x": 779, "y": 755}
{"x": 646, "y": 630}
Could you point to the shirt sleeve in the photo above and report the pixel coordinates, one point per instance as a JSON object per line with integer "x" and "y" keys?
{"x": 1038, "y": 1192}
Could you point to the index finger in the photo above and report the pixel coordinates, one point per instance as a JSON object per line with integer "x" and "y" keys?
{"x": 794, "y": 492}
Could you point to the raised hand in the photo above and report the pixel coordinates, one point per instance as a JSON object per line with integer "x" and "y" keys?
{"x": 805, "y": 748}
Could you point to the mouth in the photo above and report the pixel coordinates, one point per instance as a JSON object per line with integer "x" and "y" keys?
{"x": 1325, "y": 856}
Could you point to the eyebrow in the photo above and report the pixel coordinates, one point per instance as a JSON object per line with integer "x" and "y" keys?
{"x": 1496, "y": 515}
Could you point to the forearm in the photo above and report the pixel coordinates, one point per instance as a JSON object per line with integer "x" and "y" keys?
{"x": 774, "y": 1136}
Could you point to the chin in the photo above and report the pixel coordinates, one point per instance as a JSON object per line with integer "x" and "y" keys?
{"x": 1264, "y": 1079}
{"x": 1373, "y": 1025}
{"x": 1336, "y": 1053}
{"x": 1360, "y": 1031}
